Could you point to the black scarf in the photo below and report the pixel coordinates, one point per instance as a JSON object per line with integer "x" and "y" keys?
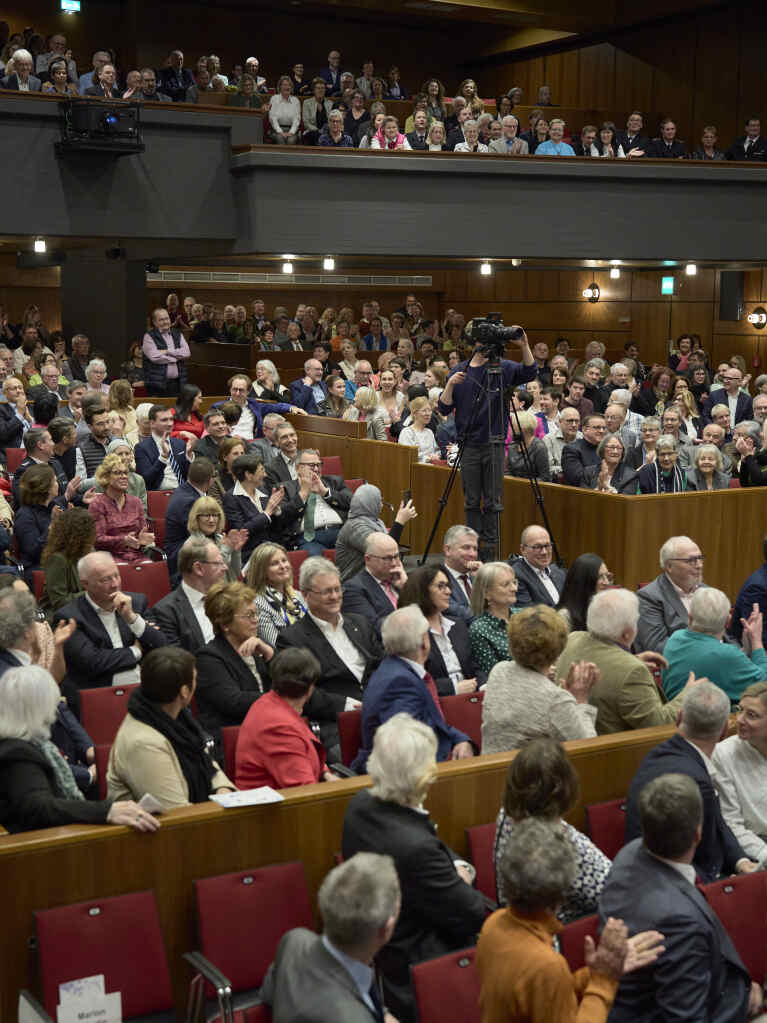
{"x": 189, "y": 742}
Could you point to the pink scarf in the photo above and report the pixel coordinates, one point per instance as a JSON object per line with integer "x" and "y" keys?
{"x": 384, "y": 143}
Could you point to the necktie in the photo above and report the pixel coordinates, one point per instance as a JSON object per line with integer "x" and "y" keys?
{"x": 375, "y": 998}
{"x": 466, "y": 584}
{"x": 390, "y": 593}
{"x": 173, "y": 463}
{"x": 746, "y": 146}
{"x": 311, "y": 502}
{"x": 432, "y": 687}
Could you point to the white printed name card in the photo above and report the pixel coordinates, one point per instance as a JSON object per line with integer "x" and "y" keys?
{"x": 86, "y": 1001}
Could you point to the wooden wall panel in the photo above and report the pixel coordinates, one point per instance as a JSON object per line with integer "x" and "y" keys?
{"x": 562, "y": 72}
{"x": 634, "y": 79}
{"x": 752, "y": 84}
{"x": 716, "y": 77}
{"x": 596, "y": 76}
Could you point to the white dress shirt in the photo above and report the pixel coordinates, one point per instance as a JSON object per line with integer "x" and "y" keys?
{"x": 245, "y": 425}
{"x": 685, "y": 869}
{"x": 291, "y": 465}
{"x": 547, "y": 581}
{"x": 325, "y": 517}
{"x": 445, "y": 647}
{"x": 109, "y": 620}
{"x": 342, "y": 645}
{"x": 169, "y": 479}
{"x": 197, "y": 600}
{"x": 740, "y": 777}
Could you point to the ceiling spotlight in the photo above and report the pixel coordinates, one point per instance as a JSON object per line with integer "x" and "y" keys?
{"x": 615, "y": 273}
{"x": 758, "y": 318}
{"x": 287, "y": 268}
{"x": 516, "y": 262}
{"x": 40, "y": 245}
{"x": 691, "y": 269}
{"x": 328, "y": 263}
{"x": 592, "y": 292}
{"x": 486, "y": 269}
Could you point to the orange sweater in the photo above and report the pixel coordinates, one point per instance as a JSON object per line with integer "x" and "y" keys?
{"x": 524, "y": 980}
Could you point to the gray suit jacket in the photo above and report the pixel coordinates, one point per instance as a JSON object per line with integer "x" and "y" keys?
{"x": 700, "y": 975}
{"x": 499, "y": 146}
{"x": 306, "y": 984}
{"x": 661, "y": 612}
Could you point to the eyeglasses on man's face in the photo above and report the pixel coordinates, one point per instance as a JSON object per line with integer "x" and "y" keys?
{"x": 697, "y": 559}
{"x": 538, "y": 547}
{"x": 333, "y": 591}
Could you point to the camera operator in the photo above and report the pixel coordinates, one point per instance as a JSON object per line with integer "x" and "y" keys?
{"x": 477, "y": 469}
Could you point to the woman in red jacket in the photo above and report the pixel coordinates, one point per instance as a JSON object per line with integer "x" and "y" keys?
{"x": 276, "y": 746}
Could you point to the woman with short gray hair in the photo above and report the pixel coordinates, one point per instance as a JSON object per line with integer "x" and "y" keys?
{"x": 441, "y": 912}
{"x": 95, "y": 375}
{"x": 663, "y": 476}
{"x": 267, "y": 384}
{"x": 523, "y": 976}
{"x": 707, "y": 472}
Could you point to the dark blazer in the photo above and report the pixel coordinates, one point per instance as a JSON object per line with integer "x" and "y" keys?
{"x": 336, "y": 682}
{"x": 415, "y": 142}
{"x": 176, "y": 519}
{"x": 530, "y": 589}
{"x": 658, "y": 150}
{"x": 753, "y": 591}
{"x": 624, "y": 479}
{"x": 30, "y": 527}
{"x": 394, "y": 688}
{"x": 54, "y": 463}
{"x": 148, "y": 462}
{"x": 277, "y": 471}
{"x": 440, "y": 912}
{"x": 241, "y": 513}
{"x": 91, "y": 660}
{"x": 633, "y": 142}
{"x": 454, "y": 137}
{"x": 306, "y": 982}
{"x": 259, "y": 409}
{"x": 178, "y": 621}
{"x": 700, "y": 976}
{"x": 293, "y": 505}
{"x": 743, "y": 410}
{"x": 461, "y": 643}
{"x": 206, "y": 447}
{"x": 719, "y": 850}
{"x": 168, "y": 82}
{"x": 226, "y": 687}
{"x": 661, "y": 612}
{"x": 303, "y": 396}
{"x": 756, "y": 151}
{"x": 459, "y": 606}
{"x": 11, "y": 428}
{"x": 98, "y": 91}
{"x": 364, "y": 596}
{"x": 575, "y": 458}
{"x": 12, "y": 82}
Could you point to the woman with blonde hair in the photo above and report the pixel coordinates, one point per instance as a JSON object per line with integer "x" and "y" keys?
{"x": 206, "y": 522}
{"x": 436, "y": 138}
{"x": 493, "y": 595}
{"x": 365, "y": 408}
{"x": 390, "y": 399}
{"x": 119, "y": 400}
{"x": 468, "y": 89}
{"x": 420, "y": 435}
{"x": 270, "y": 576}
{"x": 121, "y": 527}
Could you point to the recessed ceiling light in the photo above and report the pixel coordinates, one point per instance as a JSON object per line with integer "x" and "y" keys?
{"x": 328, "y": 263}
{"x": 40, "y": 245}
{"x": 615, "y": 273}
{"x": 287, "y": 268}
{"x": 486, "y": 269}
{"x": 691, "y": 269}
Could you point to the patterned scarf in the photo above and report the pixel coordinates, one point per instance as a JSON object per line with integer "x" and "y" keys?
{"x": 63, "y": 779}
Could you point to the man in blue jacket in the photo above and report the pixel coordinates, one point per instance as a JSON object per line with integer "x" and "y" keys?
{"x": 401, "y": 684}
{"x": 308, "y": 392}
{"x": 250, "y": 422}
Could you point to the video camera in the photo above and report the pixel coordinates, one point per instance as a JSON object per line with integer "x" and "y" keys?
{"x": 490, "y": 334}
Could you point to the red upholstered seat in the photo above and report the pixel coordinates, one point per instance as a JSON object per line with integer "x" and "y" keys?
{"x": 331, "y": 465}
{"x": 464, "y": 712}
{"x": 147, "y": 577}
{"x": 102, "y": 762}
{"x": 447, "y": 988}
{"x": 38, "y": 583}
{"x": 571, "y": 939}
{"x": 157, "y": 505}
{"x": 102, "y": 711}
{"x": 481, "y": 841}
{"x": 229, "y": 736}
{"x": 119, "y": 937}
{"x": 606, "y": 823}
{"x": 354, "y": 484}
{"x": 330, "y": 554}
{"x": 350, "y": 733}
{"x": 741, "y": 904}
{"x": 295, "y": 558}
{"x": 14, "y": 457}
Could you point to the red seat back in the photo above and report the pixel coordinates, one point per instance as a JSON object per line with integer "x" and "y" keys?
{"x": 157, "y": 506}
{"x": 102, "y": 752}
{"x": 14, "y": 457}
{"x": 295, "y": 558}
{"x": 481, "y": 841}
{"x": 253, "y": 1014}
{"x": 330, "y": 554}
{"x": 38, "y": 584}
{"x": 229, "y": 736}
{"x": 606, "y": 823}
{"x": 734, "y": 483}
{"x": 119, "y": 937}
{"x": 331, "y": 465}
{"x": 354, "y": 484}
{"x": 350, "y": 734}
{"x": 571, "y": 939}
{"x": 102, "y": 711}
{"x": 243, "y": 916}
{"x": 741, "y": 904}
{"x": 464, "y": 712}
{"x": 447, "y": 988}
{"x": 147, "y": 577}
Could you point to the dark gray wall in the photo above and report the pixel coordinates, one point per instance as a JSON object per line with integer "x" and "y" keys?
{"x": 443, "y": 204}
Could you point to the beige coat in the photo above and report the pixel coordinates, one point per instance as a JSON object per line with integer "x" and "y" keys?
{"x": 626, "y": 695}
{"x": 142, "y": 760}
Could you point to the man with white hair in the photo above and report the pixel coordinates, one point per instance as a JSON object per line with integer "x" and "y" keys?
{"x": 401, "y": 684}
{"x": 324, "y": 977}
{"x": 626, "y": 695}
{"x": 21, "y": 78}
{"x": 699, "y": 647}
{"x": 633, "y": 420}
{"x": 310, "y": 390}
{"x": 702, "y": 721}
{"x": 100, "y": 58}
{"x": 460, "y": 548}
{"x": 15, "y": 416}
{"x": 112, "y": 632}
{"x": 615, "y": 421}
{"x": 665, "y": 602}
{"x": 362, "y": 374}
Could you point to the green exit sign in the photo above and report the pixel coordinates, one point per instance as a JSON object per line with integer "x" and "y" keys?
{"x": 666, "y": 283}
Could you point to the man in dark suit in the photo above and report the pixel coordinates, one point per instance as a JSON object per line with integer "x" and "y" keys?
{"x": 331, "y": 75}
{"x": 175, "y": 79}
{"x": 538, "y": 581}
{"x": 310, "y": 390}
{"x": 699, "y": 975}
{"x": 315, "y": 506}
{"x": 668, "y": 146}
{"x": 22, "y": 78}
{"x": 417, "y": 137}
{"x": 181, "y": 614}
{"x": 346, "y": 647}
{"x": 632, "y": 137}
{"x": 39, "y": 447}
{"x": 661, "y": 607}
{"x": 112, "y": 632}
{"x": 753, "y": 591}
{"x": 398, "y": 686}
{"x": 15, "y": 417}
{"x": 703, "y": 721}
{"x": 373, "y": 592}
{"x": 161, "y": 459}
{"x": 751, "y": 146}
{"x": 217, "y": 428}
{"x": 461, "y": 561}
{"x": 105, "y": 87}
{"x": 730, "y": 395}
{"x": 197, "y": 484}
{"x": 456, "y": 135}
{"x": 582, "y": 453}
{"x": 49, "y": 374}
{"x": 317, "y": 978}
